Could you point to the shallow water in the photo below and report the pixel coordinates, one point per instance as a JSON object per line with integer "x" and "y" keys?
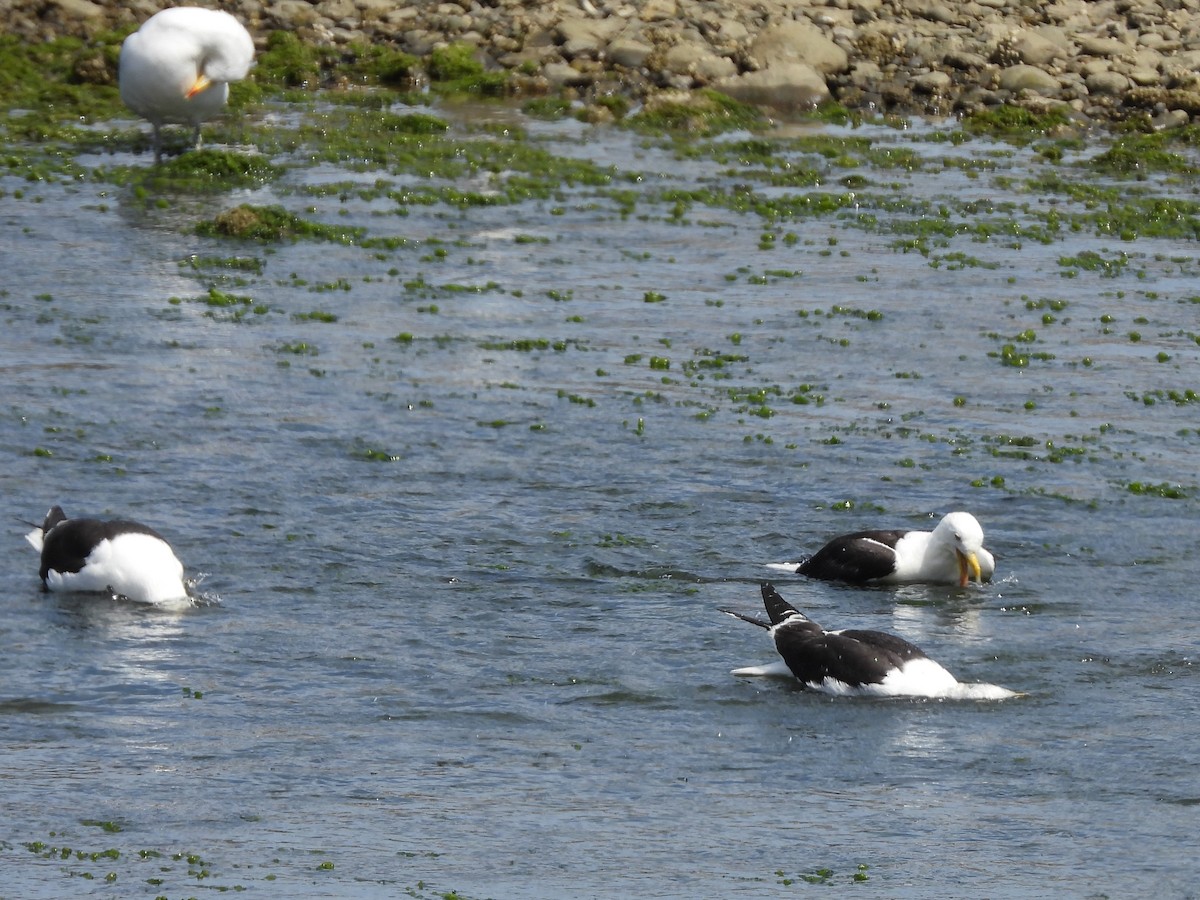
{"x": 460, "y": 627}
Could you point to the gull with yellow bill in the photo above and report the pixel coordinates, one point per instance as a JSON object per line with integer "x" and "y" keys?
{"x": 176, "y": 68}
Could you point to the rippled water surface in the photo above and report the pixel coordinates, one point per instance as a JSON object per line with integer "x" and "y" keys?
{"x": 463, "y": 508}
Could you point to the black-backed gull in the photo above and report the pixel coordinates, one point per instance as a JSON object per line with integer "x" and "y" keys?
{"x": 855, "y": 662}
{"x": 952, "y": 553}
{"x": 118, "y": 557}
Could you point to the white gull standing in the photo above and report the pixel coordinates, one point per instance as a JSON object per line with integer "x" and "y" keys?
{"x": 177, "y": 67}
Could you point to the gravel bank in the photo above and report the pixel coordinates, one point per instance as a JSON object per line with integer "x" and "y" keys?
{"x": 1105, "y": 59}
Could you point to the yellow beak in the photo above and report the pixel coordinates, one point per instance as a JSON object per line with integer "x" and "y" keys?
{"x": 968, "y": 568}
{"x": 202, "y": 84}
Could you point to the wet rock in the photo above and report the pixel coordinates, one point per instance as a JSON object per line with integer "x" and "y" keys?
{"x": 964, "y": 60}
{"x": 698, "y": 61}
{"x": 658, "y": 10}
{"x": 1144, "y": 77}
{"x": 1103, "y": 46}
{"x": 295, "y": 12}
{"x": 1107, "y": 83}
{"x": 628, "y": 52}
{"x": 1035, "y": 49}
{"x": 1028, "y": 78}
{"x": 797, "y": 42}
{"x": 77, "y": 10}
{"x": 865, "y": 74}
{"x": 789, "y": 87}
{"x": 580, "y": 36}
{"x": 932, "y": 83}
{"x": 560, "y": 74}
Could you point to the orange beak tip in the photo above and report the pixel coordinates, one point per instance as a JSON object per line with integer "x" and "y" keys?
{"x": 201, "y": 84}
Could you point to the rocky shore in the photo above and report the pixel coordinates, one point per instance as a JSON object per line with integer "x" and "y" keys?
{"x": 1103, "y": 59}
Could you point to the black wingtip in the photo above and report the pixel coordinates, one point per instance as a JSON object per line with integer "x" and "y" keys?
{"x": 777, "y": 608}
{"x": 745, "y": 618}
{"x": 53, "y": 517}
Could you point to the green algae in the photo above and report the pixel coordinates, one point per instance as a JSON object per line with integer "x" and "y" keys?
{"x": 700, "y": 113}
{"x": 1016, "y": 124}
{"x": 547, "y": 108}
{"x": 516, "y": 169}
{"x": 1091, "y": 261}
{"x": 455, "y": 69}
{"x": 63, "y": 79}
{"x": 286, "y": 61}
{"x": 205, "y": 171}
{"x": 272, "y": 223}
{"x": 1163, "y": 489}
{"x": 1139, "y": 155}
{"x": 224, "y": 306}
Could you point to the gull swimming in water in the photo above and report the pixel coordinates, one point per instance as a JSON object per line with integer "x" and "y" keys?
{"x": 119, "y": 557}
{"x": 952, "y": 553}
{"x": 855, "y": 662}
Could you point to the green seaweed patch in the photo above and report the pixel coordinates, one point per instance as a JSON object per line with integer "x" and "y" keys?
{"x": 288, "y": 62}
{"x": 220, "y": 166}
{"x": 371, "y": 454}
{"x": 411, "y": 123}
{"x": 129, "y": 866}
{"x": 219, "y": 298}
{"x": 1160, "y": 395}
{"x": 1163, "y": 489}
{"x": 822, "y": 875}
{"x": 227, "y": 306}
{"x": 456, "y": 69}
{"x": 577, "y": 399}
{"x": 1028, "y": 448}
{"x": 1116, "y": 211}
{"x": 512, "y": 168}
{"x": 388, "y": 66}
{"x": 547, "y": 108}
{"x": 105, "y": 825}
{"x": 1139, "y": 155}
{"x": 834, "y": 114}
{"x": 64, "y": 80}
{"x": 957, "y": 260}
{"x": 618, "y": 539}
{"x": 697, "y": 113}
{"x": 1015, "y": 124}
{"x": 1017, "y": 357}
{"x": 712, "y": 363}
{"x": 197, "y": 171}
{"x": 529, "y": 345}
{"x": 739, "y": 198}
{"x": 251, "y": 264}
{"x": 297, "y": 348}
{"x": 273, "y": 223}
{"x": 1091, "y": 261}
{"x": 870, "y": 315}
